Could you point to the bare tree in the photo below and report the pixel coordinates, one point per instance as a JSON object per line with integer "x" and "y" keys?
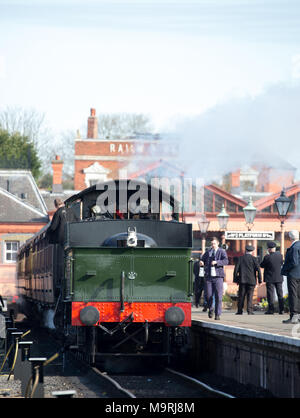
{"x": 27, "y": 122}
{"x": 118, "y": 125}
{"x": 63, "y": 146}
{"x": 31, "y": 123}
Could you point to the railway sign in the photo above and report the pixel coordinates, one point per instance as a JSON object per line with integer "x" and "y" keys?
{"x": 257, "y": 235}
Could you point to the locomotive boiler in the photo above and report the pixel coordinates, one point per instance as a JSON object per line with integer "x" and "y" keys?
{"x": 121, "y": 282}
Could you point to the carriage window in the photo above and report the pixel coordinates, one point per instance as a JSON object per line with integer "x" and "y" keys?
{"x": 11, "y": 250}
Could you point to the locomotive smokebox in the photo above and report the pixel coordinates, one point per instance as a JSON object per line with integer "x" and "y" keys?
{"x": 174, "y": 316}
{"x": 89, "y": 315}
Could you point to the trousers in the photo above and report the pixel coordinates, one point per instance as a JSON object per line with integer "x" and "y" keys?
{"x": 199, "y": 287}
{"x": 245, "y": 289}
{"x": 294, "y": 295}
{"x": 214, "y": 287}
{"x": 270, "y": 296}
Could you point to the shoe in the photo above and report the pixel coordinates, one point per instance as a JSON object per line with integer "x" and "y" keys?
{"x": 217, "y": 317}
{"x": 250, "y": 313}
{"x": 197, "y": 306}
{"x": 281, "y": 313}
{"x": 269, "y": 313}
{"x": 287, "y": 321}
{"x": 239, "y": 313}
{"x": 210, "y": 314}
{"x": 292, "y": 320}
{"x": 204, "y": 309}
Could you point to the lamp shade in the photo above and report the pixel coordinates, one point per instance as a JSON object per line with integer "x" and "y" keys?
{"x": 249, "y": 212}
{"x": 203, "y": 224}
{"x": 283, "y": 204}
{"x": 223, "y": 218}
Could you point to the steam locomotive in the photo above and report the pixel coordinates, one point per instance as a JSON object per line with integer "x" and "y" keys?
{"x": 121, "y": 282}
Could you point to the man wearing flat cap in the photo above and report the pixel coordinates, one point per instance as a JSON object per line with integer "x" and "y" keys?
{"x": 272, "y": 263}
{"x": 246, "y": 273}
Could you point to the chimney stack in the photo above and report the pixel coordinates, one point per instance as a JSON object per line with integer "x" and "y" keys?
{"x": 92, "y": 129}
{"x": 57, "y": 166}
{"x": 235, "y": 181}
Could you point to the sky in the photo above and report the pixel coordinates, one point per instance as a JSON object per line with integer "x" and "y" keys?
{"x": 179, "y": 61}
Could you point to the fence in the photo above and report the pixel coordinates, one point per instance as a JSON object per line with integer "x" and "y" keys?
{"x": 18, "y": 362}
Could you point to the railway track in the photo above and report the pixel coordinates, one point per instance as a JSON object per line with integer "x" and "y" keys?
{"x": 89, "y": 381}
{"x": 168, "y": 383}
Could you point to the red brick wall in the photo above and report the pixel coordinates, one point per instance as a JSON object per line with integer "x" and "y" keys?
{"x": 57, "y": 167}
{"x": 122, "y": 152}
{"x": 235, "y": 179}
{"x": 116, "y": 148}
{"x": 80, "y": 165}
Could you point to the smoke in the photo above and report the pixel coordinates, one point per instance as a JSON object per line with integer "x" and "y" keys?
{"x": 48, "y": 316}
{"x": 260, "y": 130}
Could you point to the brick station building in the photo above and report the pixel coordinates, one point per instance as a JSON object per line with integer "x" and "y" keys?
{"x": 98, "y": 159}
{"x": 265, "y": 186}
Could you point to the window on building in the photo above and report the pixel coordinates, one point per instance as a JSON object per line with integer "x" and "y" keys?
{"x": 92, "y": 182}
{"x": 11, "y": 250}
{"x": 208, "y": 201}
{"x": 292, "y": 207}
{"x": 298, "y": 203}
{"x": 230, "y": 206}
{"x": 219, "y": 201}
{"x": 248, "y": 186}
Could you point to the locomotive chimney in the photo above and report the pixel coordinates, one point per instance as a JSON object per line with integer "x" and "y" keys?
{"x": 57, "y": 166}
{"x": 92, "y": 128}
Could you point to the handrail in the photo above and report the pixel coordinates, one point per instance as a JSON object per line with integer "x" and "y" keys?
{"x": 122, "y": 290}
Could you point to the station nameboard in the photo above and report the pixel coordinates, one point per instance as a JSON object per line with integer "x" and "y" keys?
{"x": 257, "y": 235}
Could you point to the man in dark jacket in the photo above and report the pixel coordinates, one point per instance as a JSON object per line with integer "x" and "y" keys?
{"x": 245, "y": 272}
{"x": 214, "y": 260}
{"x": 199, "y": 285}
{"x": 272, "y": 263}
{"x": 56, "y": 230}
{"x": 291, "y": 269}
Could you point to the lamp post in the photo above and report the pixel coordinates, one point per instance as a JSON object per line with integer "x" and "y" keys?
{"x": 249, "y": 213}
{"x": 223, "y": 218}
{"x": 282, "y": 204}
{"x": 203, "y": 224}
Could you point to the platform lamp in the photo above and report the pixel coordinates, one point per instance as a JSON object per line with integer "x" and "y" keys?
{"x": 203, "y": 224}
{"x": 249, "y": 213}
{"x": 282, "y": 204}
{"x": 223, "y": 218}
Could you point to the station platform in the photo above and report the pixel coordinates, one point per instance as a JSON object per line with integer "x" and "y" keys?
{"x": 251, "y": 349}
{"x": 259, "y": 322}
